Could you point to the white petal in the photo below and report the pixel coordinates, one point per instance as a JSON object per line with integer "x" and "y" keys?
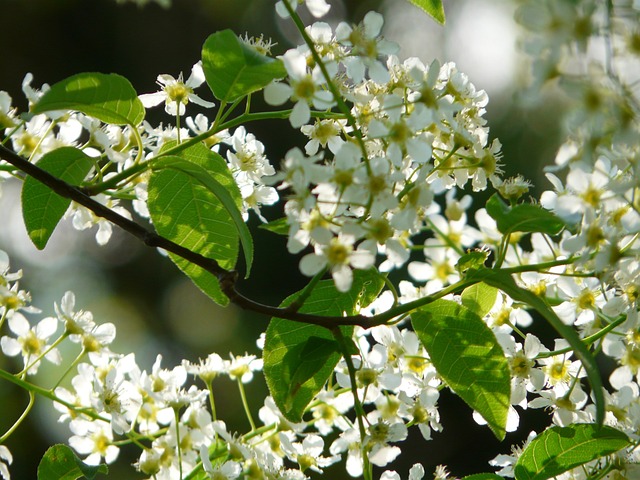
{"x": 383, "y": 456}
{"x": 343, "y": 277}
{"x": 10, "y": 346}
{"x": 277, "y": 93}
{"x": 281, "y": 10}
{"x": 378, "y": 73}
{"x": 104, "y": 233}
{"x": 46, "y": 327}
{"x": 197, "y": 77}
{"x": 19, "y": 324}
{"x": 295, "y": 63}
{"x": 323, "y": 99}
{"x": 198, "y": 101}
{"x": 373, "y": 22}
{"x": 152, "y": 99}
{"x": 312, "y": 264}
{"x": 362, "y": 259}
{"x": 68, "y": 302}
{"x": 318, "y": 8}
{"x": 300, "y": 114}
{"x": 170, "y": 108}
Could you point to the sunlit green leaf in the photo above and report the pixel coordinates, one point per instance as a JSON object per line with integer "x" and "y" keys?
{"x": 433, "y": 7}
{"x": 523, "y": 217}
{"x": 479, "y": 298}
{"x": 472, "y": 260}
{"x": 188, "y": 213}
{"x": 467, "y": 356}
{"x": 559, "y": 449}
{"x": 299, "y": 358}
{"x": 211, "y": 176}
{"x": 60, "y": 463}
{"x": 279, "y": 226}
{"x": 108, "y": 97}
{"x": 42, "y": 209}
{"x": 507, "y": 284}
{"x": 233, "y": 69}
{"x": 483, "y": 476}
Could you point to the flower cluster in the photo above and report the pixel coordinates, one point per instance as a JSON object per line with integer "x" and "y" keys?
{"x": 394, "y": 149}
{"x": 413, "y": 132}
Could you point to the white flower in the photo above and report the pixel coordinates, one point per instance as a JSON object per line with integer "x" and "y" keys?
{"x": 349, "y": 440}
{"x": 366, "y": 47}
{"x": 206, "y": 369}
{"x": 377, "y": 442}
{"x": 305, "y": 87}
{"x": 326, "y": 133}
{"x": 339, "y": 256}
{"x": 94, "y": 439}
{"x": 176, "y": 93}
{"x": 308, "y": 454}
{"x": 7, "y": 113}
{"x": 226, "y": 471}
{"x": 31, "y": 342}
{"x": 241, "y": 367}
{"x": 83, "y": 218}
{"x": 270, "y": 414}
{"x": 415, "y": 473}
{"x": 318, "y": 8}
{"x": 5, "y": 459}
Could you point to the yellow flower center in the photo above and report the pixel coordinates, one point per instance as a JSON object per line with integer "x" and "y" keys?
{"x": 558, "y": 371}
{"x": 324, "y": 130}
{"x": 90, "y": 344}
{"x": 101, "y": 442}
{"x": 31, "y": 344}
{"x": 304, "y": 88}
{"x": 366, "y": 376}
{"x": 305, "y": 462}
{"x": 521, "y": 365}
{"x": 178, "y": 92}
{"x": 586, "y": 300}
{"x": 338, "y": 253}
{"x": 380, "y": 230}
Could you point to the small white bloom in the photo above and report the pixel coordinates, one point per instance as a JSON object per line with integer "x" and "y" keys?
{"x": 5, "y": 459}
{"x": 176, "y": 93}
{"x": 318, "y": 8}
{"x": 31, "y": 342}
{"x": 94, "y": 439}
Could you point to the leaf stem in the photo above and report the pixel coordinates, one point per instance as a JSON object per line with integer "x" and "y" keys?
{"x": 17, "y": 423}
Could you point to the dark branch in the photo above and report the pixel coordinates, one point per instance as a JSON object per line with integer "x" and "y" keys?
{"x": 226, "y": 278}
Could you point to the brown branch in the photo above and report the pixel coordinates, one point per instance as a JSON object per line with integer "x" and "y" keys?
{"x": 226, "y": 278}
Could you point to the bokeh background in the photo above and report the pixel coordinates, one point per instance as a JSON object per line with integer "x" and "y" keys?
{"x": 155, "y": 308}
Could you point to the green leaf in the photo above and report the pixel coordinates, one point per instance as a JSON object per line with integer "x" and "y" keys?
{"x": 559, "y": 449}
{"x": 42, "y": 209}
{"x": 483, "y": 476}
{"x": 60, "y": 463}
{"x": 479, "y": 298}
{"x": 433, "y": 8}
{"x": 233, "y": 69}
{"x": 503, "y": 281}
{"x": 523, "y": 217}
{"x": 108, "y": 97}
{"x": 472, "y": 260}
{"x": 279, "y": 226}
{"x": 221, "y": 185}
{"x": 188, "y": 213}
{"x": 468, "y": 357}
{"x": 299, "y": 358}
